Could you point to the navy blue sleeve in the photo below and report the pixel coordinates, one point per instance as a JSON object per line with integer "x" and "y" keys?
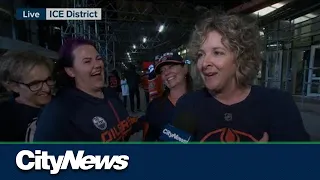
{"x": 286, "y": 121}
{"x": 151, "y": 132}
{"x": 187, "y": 107}
{"x": 137, "y": 126}
{"x": 52, "y": 118}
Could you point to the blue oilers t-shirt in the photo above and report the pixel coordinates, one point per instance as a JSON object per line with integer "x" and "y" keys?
{"x": 74, "y": 115}
{"x": 264, "y": 110}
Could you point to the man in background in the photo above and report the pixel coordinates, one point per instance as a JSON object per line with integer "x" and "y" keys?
{"x": 145, "y": 84}
{"x": 155, "y": 84}
{"x": 114, "y": 82}
{"x": 133, "y": 80}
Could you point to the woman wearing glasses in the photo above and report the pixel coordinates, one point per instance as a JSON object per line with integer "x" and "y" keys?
{"x": 28, "y": 76}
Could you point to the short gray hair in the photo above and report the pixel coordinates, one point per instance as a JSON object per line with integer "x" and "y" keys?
{"x": 14, "y": 64}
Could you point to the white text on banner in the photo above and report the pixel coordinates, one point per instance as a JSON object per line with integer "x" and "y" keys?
{"x": 73, "y": 14}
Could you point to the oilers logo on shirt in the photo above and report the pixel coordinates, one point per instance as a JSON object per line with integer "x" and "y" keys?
{"x": 99, "y": 123}
{"x": 120, "y": 131}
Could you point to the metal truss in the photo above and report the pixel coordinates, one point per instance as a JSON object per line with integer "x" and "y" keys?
{"x": 91, "y": 31}
{"x": 126, "y": 22}
{"x": 149, "y": 16}
{"x": 150, "y": 12}
{"x": 129, "y": 23}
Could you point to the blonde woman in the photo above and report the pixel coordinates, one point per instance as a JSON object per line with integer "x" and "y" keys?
{"x": 226, "y": 52}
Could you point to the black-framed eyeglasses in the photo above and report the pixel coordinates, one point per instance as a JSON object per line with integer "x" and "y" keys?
{"x": 38, "y": 84}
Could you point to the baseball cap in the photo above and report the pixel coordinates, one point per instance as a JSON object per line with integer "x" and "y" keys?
{"x": 168, "y": 58}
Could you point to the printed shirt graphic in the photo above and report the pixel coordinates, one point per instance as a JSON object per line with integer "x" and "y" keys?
{"x": 31, "y": 130}
{"x": 228, "y": 135}
{"x": 107, "y": 123}
{"x": 84, "y": 118}
{"x": 120, "y": 132}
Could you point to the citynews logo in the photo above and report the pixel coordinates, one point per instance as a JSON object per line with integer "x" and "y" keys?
{"x": 175, "y": 136}
{"x": 40, "y": 160}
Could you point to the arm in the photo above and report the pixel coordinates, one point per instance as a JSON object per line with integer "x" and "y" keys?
{"x": 150, "y": 132}
{"x": 287, "y": 124}
{"x": 185, "y": 116}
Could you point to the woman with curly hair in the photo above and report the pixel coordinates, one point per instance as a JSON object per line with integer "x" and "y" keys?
{"x": 230, "y": 108}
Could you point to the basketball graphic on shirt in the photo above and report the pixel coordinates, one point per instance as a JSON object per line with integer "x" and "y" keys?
{"x": 99, "y": 123}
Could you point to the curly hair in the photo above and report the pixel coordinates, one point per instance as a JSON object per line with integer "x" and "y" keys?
{"x": 240, "y": 36}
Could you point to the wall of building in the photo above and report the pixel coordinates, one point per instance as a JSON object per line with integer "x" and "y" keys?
{"x": 18, "y": 34}
{"x": 293, "y": 41}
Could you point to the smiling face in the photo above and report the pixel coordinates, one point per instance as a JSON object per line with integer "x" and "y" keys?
{"x": 216, "y": 63}
{"x": 173, "y": 75}
{"x": 35, "y": 86}
{"x": 88, "y": 68}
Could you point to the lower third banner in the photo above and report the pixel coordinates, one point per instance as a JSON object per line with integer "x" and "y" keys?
{"x": 160, "y": 161}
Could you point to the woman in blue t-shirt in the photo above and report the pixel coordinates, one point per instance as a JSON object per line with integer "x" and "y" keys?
{"x": 175, "y": 75}
{"x": 83, "y": 109}
{"x": 225, "y": 49}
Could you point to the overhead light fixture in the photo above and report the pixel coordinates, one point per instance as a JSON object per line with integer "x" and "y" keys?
{"x": 134, "y": 46}
{"x": 144, "y": 40}
{"x": 304, "y": 18}
{"x": 261, "y": 33}
{"x": 269, "y": 9}
{"x": 161, "y": 28}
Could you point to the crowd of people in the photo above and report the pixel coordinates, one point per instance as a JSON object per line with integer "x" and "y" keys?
{"x": 68, "y": 100}
{"x": 128, "y": 84}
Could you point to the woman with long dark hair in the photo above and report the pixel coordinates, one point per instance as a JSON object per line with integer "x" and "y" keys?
{"x": 83, "y": 109}
{"x": 178, "y": 82}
